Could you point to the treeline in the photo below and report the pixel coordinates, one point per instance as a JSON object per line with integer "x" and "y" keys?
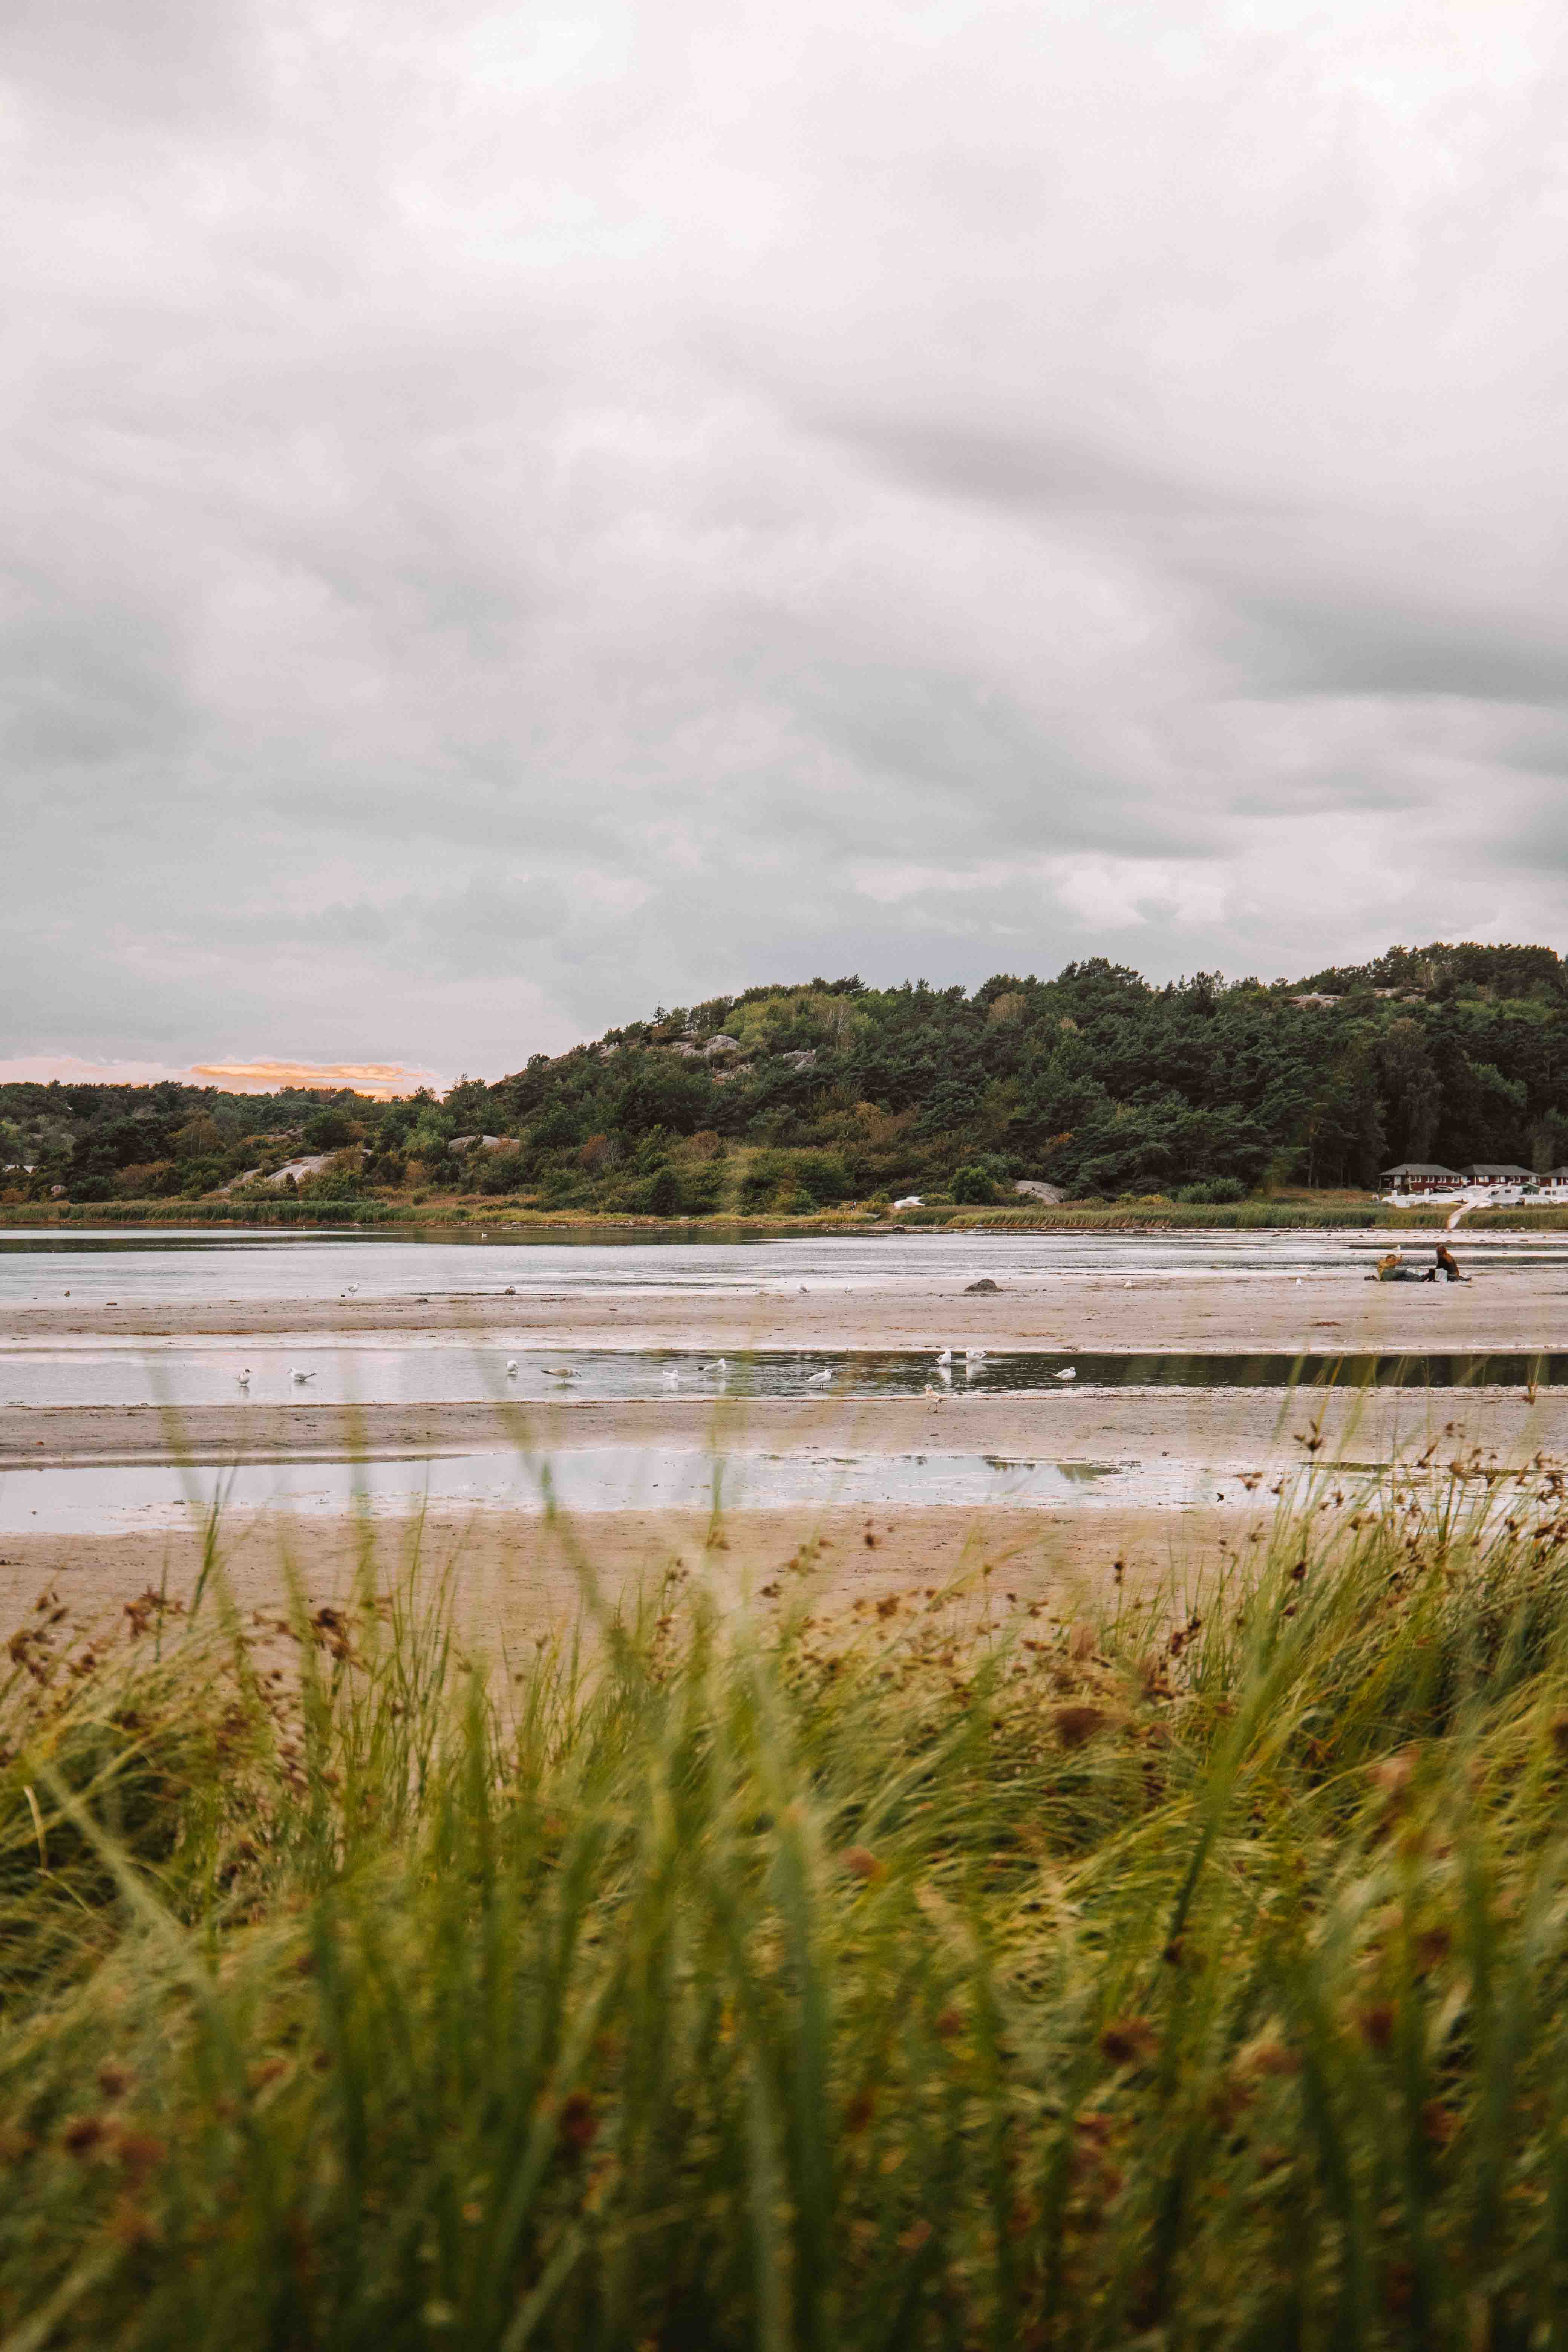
{"x": 789, "y": 1098}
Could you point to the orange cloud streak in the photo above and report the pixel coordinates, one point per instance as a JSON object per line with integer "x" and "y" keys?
{"x": 380, "y": 1079}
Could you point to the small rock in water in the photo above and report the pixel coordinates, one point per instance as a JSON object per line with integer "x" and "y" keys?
{"x": 984, "y": 1283}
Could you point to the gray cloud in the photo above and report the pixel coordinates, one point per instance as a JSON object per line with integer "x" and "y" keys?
{"x": 514, "y": 517}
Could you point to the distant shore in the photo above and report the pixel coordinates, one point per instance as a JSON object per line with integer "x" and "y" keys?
{"x": 472, "y": 1213}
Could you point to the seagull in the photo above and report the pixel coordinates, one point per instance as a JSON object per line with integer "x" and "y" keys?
{"x": 817, "y": 1380}
{"x": 672, "y": 1379}
{"x": 350, "y": 1291}
{"x": 1127, "y": 1285}
{"x": 564, "y": 1374}
{"x": 1068, "y": 1375}
{"x": 296, "y": 1374}
{"x": 512, "y": 1367}
{"x": 244, "y": 1377}
{"x": 973, "y": 1355}
{"x": 944, "y": 1355}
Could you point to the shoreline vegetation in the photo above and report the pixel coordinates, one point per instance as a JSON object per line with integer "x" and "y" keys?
{"x": 1187, "y": 1968}
{"x": 473, "y": 1212}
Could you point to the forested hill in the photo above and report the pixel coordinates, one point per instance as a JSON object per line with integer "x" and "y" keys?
{"x": 786, "y": 1098}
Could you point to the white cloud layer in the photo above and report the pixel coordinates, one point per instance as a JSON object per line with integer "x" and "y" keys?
{"x": 514, "y": 515}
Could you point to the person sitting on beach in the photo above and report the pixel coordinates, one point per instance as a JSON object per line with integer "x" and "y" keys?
{"x": 1392, "y": 1268}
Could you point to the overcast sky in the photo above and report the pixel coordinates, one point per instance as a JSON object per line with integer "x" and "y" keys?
{"x": 510, "y": 517}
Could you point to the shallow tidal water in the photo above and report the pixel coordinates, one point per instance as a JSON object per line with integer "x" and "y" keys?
{"x": 587, "y": 1479}
{"x": 457, "y": 1372}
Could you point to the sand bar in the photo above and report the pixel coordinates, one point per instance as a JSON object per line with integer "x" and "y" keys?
{"x": 1231, "y": 1427}
{"x": 1506, "y": 1306}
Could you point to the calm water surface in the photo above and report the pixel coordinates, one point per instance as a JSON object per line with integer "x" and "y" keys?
{"x": 587, "y": 1479}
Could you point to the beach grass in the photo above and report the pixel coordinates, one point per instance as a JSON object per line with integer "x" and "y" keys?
{"x": 941, "y": 1972}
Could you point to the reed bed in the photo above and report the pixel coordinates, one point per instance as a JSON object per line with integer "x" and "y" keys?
{"x": 940, "y": 1973}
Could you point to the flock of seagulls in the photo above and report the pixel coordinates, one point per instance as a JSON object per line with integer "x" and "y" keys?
{"x": 976, "y": 1356}
{"x": 972, "y": 1357}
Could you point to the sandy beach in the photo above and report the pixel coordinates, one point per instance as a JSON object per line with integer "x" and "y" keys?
{"x": 514, "y": 1579}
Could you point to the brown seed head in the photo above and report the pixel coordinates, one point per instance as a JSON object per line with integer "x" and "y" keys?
{"x": 577, "y": 2124}
{"x": 1272, "y": 2058}
{"x": 1074, "y": 1725}
{"x": 1377, "y": 2022}
{"x": 140, "y": 2151}
{"x": 1129, "y": 2042}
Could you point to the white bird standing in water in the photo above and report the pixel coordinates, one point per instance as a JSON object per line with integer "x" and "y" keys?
{"x": 1068, "y": 1375}
{"x": 817, "y": 1380}
{"x": 974, "y": 1355}
{"x": 296, "y": 1374}
{"x": 350, "y": 1290}
{"x": 944, "y": 1355}
{"x": 244, "y": 1377}
{"x": 512, "y": 1367}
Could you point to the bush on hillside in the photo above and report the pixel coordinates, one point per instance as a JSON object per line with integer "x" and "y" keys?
{"x": 973, "y": 1187}
{"x": 1213, "y": 1191}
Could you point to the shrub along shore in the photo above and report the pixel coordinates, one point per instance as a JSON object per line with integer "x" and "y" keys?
{"x": 942, "y": 1974}
{"x": 474, "y": 1211}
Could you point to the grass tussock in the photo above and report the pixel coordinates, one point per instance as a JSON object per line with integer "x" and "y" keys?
{"x": 941, "y": 1975}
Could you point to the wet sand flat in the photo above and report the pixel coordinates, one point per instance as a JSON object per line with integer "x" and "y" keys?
{"x": 1507, "y": 1306}
{"x": 1228, "y": 1428}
